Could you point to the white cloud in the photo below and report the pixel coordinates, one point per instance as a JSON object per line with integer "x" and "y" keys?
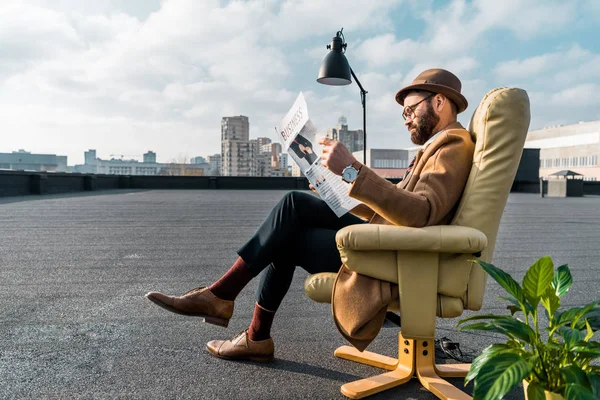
{"x": 580, "y": 95}
{"x": 125, "y": 77}
{"x": 533, "y": 67}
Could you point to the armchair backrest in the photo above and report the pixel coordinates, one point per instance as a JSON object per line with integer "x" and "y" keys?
{"x": 499, "y": 127}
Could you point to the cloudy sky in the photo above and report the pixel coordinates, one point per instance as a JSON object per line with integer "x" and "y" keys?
{"x": 127, "y": 76}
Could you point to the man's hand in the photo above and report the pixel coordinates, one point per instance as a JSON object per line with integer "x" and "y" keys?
{"x": 311, "y": 187}
{"x": 335, "y": 155}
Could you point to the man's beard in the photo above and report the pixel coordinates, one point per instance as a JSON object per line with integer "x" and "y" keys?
{"x": 424, "y": 129}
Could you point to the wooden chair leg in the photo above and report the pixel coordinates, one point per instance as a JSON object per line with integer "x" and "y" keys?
{"x": 403, "y": 369}
{"x": 427, "y": 373}
{"x": 415, "y": 357}
{"x": 452, "y": 370}
{"x": 366, "y": 357}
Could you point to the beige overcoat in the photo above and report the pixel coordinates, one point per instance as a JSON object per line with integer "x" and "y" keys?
{"x": 428, "y": 196}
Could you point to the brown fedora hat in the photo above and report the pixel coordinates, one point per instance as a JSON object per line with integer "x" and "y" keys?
{"x": 437, "y": 81}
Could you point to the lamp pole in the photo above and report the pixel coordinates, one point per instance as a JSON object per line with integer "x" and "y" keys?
{"x": 336, "y": 71}
{"x": 363, "y": 100}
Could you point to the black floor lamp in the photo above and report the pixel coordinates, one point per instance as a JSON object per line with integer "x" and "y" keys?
{"x": 336, "y": 71}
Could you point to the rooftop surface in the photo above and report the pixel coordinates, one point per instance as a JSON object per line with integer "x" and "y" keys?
{"x": 74, "y": 322}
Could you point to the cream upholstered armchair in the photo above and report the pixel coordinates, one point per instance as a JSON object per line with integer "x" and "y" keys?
{"x": 434, "y": 266}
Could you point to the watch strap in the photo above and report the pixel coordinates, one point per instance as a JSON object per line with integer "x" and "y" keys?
{"x": 357, "y": 165}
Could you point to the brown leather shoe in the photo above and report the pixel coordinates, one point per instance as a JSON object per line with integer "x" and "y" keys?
{"x": 199, "y": 302}
{"x": 242, "y": 348}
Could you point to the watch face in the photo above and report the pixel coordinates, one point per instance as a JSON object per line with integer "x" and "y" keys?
{"x": 349, "y": 174}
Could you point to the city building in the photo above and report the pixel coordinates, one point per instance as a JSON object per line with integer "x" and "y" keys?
{"x": 263, "y": 141}
{"x": 26, "y": 161}
{"x": 283, "y": 161}
{"x": 353, "y": 140}
{"x": 90, "y": 157}
{"x": 573, "y": 147}
{"x": 119, "y": 166}
{"x": 215, "y": 164}
{"x": 238, "y": 157}
{"x": 276, "y": 158}
{"x": 296, "y": 170}
{"x": 264, "y": 164}
{"x": 150, "y": 157}
{"x": 238, "y": 152}
{"x": 198, "y": 160}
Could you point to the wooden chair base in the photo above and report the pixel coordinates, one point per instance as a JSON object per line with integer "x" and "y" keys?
{"x": 415, "y": 358}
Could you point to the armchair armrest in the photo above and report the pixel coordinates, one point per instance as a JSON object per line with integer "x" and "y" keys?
{"x": 438, "y": 239}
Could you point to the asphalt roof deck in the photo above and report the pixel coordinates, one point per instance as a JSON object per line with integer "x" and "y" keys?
{"x": 74, "y": 269}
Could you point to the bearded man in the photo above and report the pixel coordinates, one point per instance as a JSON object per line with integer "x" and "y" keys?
{"x": 301, "y": 228}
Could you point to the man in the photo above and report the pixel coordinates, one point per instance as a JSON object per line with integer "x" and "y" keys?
{"x": 301, "y": 228}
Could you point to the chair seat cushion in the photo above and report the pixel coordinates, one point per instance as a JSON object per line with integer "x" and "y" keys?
{"x": 318, "y": 287}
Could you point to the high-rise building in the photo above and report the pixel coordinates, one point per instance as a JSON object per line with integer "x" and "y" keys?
{"x": 353, "y": 140}
{"x": 150, "y": 157}
{"x": 264, "y": 166}
{"x": 263, "y": 141}
{"x": 238, "y": 157}
{"x": 215, "y": 164}
{"x": 90, "y": 157}
{"x": 198, "y": 160}
{"x": 238, "y": 152}
{"x": 283, "y": 161}
{"x": 235, "y": 128}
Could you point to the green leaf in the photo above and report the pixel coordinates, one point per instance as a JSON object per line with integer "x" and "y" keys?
{"x": 538, "y": 279}
{"x": 578, "y": 392}
{"x": 574, "y": 374}
{"x": 593, "y": 319}
{"x": 574, "y": 314}
{"x": 535, "y": 392}
{"x": 506, "y": 281}
{"x": 570, "y": 336}
{"x": 586, "y": 309}
{"x": 500, "y": 375}
{"x": 484, "y": 326}
{"x": 594, "y": 383}
{"x": 590, "y": 348}
{"x": 551, "y": 302}
{"x": 484, "y": 316}
{"x": 590, "y": 331}
{"x": 562, "y": 280}
{"x": 484, "y": 357}
{"x": 507, "y": 326}
{"x": 517, "y": 329}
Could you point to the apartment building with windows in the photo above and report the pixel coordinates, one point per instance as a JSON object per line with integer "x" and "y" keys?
{"x": 238, "y": 152}
{"x": 352, "y": 139}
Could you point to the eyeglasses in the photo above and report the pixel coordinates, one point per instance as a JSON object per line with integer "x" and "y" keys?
{"x": 409, "y": 111}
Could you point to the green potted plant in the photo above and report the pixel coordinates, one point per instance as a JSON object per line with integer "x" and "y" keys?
{"x": 554, "y": 360}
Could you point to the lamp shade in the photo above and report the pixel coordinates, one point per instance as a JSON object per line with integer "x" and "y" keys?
{"x": 335, "y": 69}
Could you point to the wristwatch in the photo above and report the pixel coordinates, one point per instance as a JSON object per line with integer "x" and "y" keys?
{"x": 350, "y": 173}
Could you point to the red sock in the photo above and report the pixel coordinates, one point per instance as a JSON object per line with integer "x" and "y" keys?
{"x": 234, "y": 280}
{"x": 260, "y": 327}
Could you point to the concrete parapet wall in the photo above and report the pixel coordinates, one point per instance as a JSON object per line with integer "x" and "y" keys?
{"x": 20, "y": 183}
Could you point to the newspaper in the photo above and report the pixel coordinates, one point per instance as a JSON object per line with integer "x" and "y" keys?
{"x": 300, "y": 141}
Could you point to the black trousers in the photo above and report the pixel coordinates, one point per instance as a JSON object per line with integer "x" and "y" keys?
{"x": 299, "y": 231}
